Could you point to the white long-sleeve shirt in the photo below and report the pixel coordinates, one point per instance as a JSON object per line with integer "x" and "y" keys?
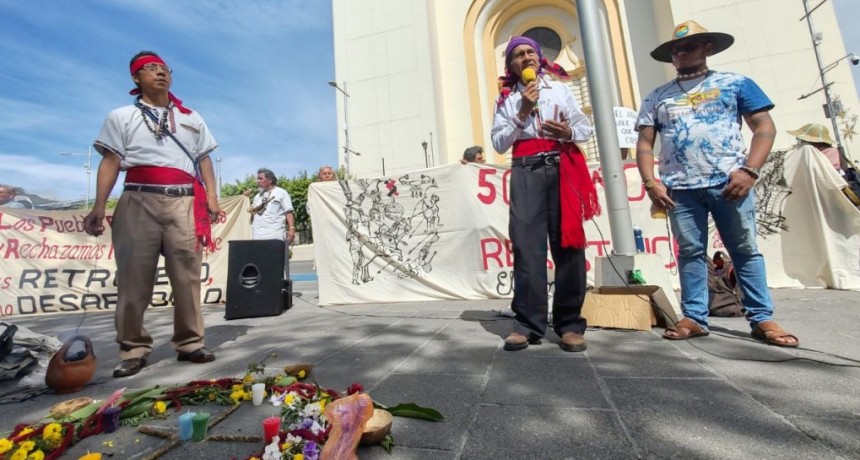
{"x": 555, "y": 99}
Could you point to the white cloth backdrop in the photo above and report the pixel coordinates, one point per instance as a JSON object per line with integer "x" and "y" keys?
{"x": 441, "y": 233}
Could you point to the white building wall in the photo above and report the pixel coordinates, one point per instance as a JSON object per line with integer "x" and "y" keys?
{"x": 404, "y": 65}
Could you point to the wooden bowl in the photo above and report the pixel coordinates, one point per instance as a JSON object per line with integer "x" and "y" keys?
{"x": 65, "y": 408}
{"x": 294, "y": 369}
{"x": 377, "y": 428}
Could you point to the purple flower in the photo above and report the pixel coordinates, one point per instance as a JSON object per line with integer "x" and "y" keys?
{"x": 311, "y": 451}
{"x": 307, "y": 423}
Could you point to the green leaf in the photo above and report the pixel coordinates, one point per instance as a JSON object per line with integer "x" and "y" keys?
{"x": 387, "y": 443}
{"x": 412, "y": 410}
{"x": 83, "y": 413}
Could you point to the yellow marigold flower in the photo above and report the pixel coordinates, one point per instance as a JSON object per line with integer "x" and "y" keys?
{"x": 246, "y": 396}
{"x": 288, "y": 399}
{"x": 159, "y": 407}
{"x": 54, "y": 440}
{"x": 301, "y": 375}
{"x": 299, "y": 457}
{"x": 236, "y": 396}
{"x": 248, "y": 378}
{"x": 238, "y": 387}
{"x": 37, "y": 455}
{"x": 5, "y": 446}
{"x": 254, "y": 458}
{"x": 52, "y": 430}
{"x": 286, "y": 446}
{"x": 212, "y": 396}
{"x": 26, "y": 430}
{"x": 27, "y": 446}
{"x": 322, "y": 404}
{"x": 108, "y": 443}
{"x": 19, "y": 455}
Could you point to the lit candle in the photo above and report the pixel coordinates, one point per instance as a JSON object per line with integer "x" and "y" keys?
{"x": 271, "y": 427}
{"x": 185, "y": 428}
{"x": 258, "y": 392}
{"x": 200, "y": 422}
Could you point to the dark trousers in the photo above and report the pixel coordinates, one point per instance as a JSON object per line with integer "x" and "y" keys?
{"x": 534, "y": 215}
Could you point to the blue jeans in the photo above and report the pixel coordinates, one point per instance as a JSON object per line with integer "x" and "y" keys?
{"x": 736, "y": 223}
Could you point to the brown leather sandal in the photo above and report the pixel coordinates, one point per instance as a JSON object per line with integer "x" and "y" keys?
{"x": 768, "y": 332}
{"x": 686, "y": 323}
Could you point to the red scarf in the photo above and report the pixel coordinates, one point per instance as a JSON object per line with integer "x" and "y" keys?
{"x": 577, "y": 194}
{"x": 142, "y": 61}
{"x": 160, "y": 175}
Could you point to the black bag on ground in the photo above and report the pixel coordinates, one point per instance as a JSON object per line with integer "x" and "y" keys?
{"x": 724, "y": 299}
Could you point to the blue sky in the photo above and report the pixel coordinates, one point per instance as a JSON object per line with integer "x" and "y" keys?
{"x": 255, "y": 69}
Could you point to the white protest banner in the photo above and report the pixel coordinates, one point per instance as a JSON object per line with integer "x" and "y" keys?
{"x": 441, "y": 234}
{"x": 50, "y": 265}
{"x": 625, "y": 121}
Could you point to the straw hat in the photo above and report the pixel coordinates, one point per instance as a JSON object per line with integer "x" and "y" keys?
{"x": 813, "y": 132}
{"x": 687, "y": 30}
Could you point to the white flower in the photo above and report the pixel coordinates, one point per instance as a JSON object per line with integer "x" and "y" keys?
{"x": 273, "y": 451}
{"x": 312, "y": 410}
{"x": 294, "y": 440}
{"x": 277, "y": 399}
{"x": 316, "y": 428}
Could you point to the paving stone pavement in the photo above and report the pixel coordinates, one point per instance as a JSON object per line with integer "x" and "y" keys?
{"x": 631, "y": 395}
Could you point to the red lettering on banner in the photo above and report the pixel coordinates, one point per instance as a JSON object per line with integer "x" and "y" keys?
{"x": 46, "y": 222}
{"x": 7, "y": 283}
{"x": 600, "y": 244}
{"x": 491, "y": 248}
{"x": 490, "y": 197}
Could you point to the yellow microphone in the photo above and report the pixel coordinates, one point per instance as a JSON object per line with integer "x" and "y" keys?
{"x": 529, "y": 75}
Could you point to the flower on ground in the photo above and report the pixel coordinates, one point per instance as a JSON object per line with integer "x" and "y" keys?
{"x": 19, "y": 454}
{"x": 272, "y": 452}
{"x": 27, "y": 446}
{"x": 302, "y": 374}
{"x": 237, "y": 396}
{"x": 212, "y": 396}
{"x": 159, "y": 407}
{"x": 27, "y": 430}
{"x": 298, "y": 457}
{"x": 37, "y": 455}
{"x": 5, "y": 445}
{"x": 311, "y": 451}
{"x": 248, "y": 378}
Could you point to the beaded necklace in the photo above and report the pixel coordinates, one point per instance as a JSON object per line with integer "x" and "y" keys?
{"x": 696, "y": 99}
{"x": 694, "y": 75}
{"x": 161, "y": 128}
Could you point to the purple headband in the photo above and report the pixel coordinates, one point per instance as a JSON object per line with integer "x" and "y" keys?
{"x": 521, "y": 40}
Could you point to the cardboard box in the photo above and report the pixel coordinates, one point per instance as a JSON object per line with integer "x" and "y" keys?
{"x": 633, "y": 307}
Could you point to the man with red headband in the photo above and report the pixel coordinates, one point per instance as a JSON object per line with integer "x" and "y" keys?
{"x": 164, "y": 210}
{"x": 551, "y": 195}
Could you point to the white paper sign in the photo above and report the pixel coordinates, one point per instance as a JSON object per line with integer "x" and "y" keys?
{"x": 625, "y": 120}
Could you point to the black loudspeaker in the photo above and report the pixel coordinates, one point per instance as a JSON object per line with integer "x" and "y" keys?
{"x": 255, "y": 279}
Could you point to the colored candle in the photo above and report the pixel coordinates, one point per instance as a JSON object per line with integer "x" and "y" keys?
{"x": 271, "y": 427}
{"x": 91, "y": 456}
{"x": 185, "y": 427}
{"x": 110, "y": 419}
{"x": 258, "y": 391}
{"x": 200, "y": 424}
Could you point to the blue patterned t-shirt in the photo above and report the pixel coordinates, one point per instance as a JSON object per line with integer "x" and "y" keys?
{"x": 700, "y": 127}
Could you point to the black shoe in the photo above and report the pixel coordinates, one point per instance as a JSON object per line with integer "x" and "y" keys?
{"x": 129, "y": 367}
{"x": 200, "y": 355}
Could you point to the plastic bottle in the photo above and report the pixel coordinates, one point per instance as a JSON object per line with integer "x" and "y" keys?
{"x": 640, "y": 242}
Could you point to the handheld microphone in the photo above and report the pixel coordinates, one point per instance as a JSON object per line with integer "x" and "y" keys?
{"x": 529, "y": 75}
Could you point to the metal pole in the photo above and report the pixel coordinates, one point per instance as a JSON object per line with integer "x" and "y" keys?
{"x": 383, "y": 166}
{"x": 89, "y": 173}
{"x": 346, "y": 146}
{"x": 599, "y": 78}
{"x": 816, "y": 40}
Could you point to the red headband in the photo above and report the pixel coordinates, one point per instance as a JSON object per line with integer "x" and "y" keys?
{"x": 150, "y": 59}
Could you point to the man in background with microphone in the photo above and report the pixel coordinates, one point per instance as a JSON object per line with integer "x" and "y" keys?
{"x": 551, "y": 194}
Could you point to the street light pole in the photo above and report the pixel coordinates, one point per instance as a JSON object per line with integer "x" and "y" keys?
{"x": 218, "y": 160}
{"x": 88, "y": 167}
{"x": 816, "y": 40}
{"x": 346, "y": 147}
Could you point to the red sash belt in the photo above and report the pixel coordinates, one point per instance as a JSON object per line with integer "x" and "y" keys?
{"x": 160, "y": 175}
{"x": 577, "y": 194}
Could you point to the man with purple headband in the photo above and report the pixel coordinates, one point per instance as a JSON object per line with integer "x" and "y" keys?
{"x": 551, "y": 195}
{"x": 164, "y": 209}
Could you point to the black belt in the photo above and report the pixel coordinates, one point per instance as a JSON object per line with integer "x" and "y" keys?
{"x": 540, "y": 159}
{"x": 169, "y": 190}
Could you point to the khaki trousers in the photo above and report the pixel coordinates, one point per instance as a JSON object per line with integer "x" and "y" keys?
{"x": 146, "y": 225}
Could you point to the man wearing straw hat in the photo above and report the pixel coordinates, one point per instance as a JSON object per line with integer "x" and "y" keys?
{"x": 706, "y": 168}
{"x": 818, "y": 136}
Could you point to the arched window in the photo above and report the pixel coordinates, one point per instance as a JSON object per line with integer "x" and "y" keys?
{"x": 549, "y": 41}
